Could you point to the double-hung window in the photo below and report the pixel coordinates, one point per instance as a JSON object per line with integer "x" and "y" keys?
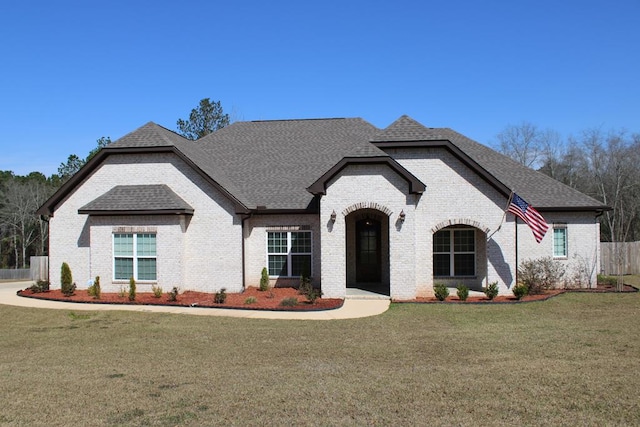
{"x": 289, "y": 253}
{"x": 560, "y": 240}
{"x": 134, "y": 255}
{"x": 454, "y": 252}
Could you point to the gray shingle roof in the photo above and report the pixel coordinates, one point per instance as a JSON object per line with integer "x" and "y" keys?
{"x": 272, "y": 163}
{"x": 149, "y": 135}
{"x": 131, "y": 199}
{"x": 535, "y": 187}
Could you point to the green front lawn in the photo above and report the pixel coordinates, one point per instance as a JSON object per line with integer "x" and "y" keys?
{"x": 570, "y": 360}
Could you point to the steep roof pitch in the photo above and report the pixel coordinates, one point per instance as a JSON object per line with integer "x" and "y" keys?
{"x": 273, "y": 162}
{"x": 503, "y": 172}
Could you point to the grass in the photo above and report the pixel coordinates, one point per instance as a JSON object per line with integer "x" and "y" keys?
{"x": 569, "y": 360}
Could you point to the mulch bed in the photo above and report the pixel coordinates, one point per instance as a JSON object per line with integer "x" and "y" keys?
{"x": 271, "y": 299}
{"x": 453, "y": 298}
{"x": 267, "y": 300}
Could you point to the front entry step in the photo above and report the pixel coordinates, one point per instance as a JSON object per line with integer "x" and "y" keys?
{"x": 355, "y": 293}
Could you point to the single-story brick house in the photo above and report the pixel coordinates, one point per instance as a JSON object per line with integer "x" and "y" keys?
{"x": 391, "y": 210}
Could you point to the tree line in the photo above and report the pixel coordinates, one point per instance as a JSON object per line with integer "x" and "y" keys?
{"x": 604, "y": 165}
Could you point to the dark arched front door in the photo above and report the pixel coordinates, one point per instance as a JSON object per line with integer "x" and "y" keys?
{"x": 368, "y": 256}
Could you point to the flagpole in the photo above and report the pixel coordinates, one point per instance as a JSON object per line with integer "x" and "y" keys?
{"x": 516, "y": 223}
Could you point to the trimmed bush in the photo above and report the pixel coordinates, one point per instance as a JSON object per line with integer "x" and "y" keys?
{"x": 66, "y": 280}
{"x": 520, "y": 291}
{"x": 40, "y": 286}
{"x": 157, "y": 291}
{"x": 462, "y": 292}
{"x": 94, "y": 290}
{"x": 491, "y": 291}
{"x": 264, "y": 279}
{"x": 250, "y": 300}
{"x": 221, "y": 296}
{"x": 289, "y": 302}
{"x": 541, "y": 274}
{"x": 441, "y": 291}
{"x": 173, "y": 294}
{"x": 132, "y": 289}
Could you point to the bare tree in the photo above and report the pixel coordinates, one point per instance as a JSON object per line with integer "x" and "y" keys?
{"x": 527, "y": 144}
{"x": 22, "y": 196}
{"x": 613, "y": 176}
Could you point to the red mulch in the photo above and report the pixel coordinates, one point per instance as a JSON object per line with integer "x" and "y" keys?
{"x": 453, "y": 298}
{"x": 483, "y": 299}
{"x": 267, "y": 300}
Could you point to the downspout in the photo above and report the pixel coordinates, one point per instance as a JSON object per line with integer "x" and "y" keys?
{"x": 244, "y": 218}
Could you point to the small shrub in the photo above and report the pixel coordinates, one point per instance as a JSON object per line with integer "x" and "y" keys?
{"x": 40, "y": 286}
{"x": 441, "y": 291}
{"x": 307, "y": 289}
{"x": 264, "y": 279}
{"x": 271, "y": 295}
{"x": 250, "y": 300}
{"x": 520, "y": 291}
{"x": 66, "y": 280}
{"x": 94, "y": 289}
{"x": 463, "y": 292}
{"x": 491, "y": 291}
{"x": 289, "y": 302}
{"x": 540, "y": 274}
{"x": 173, "y": 294}
{"x": 132, "y": 289}
{"x": 305, "y": 285}
{"x": 607, "y": 280}
{"x": 221, "y": 296}
{"x": 157, "y": 291}
{"x": 122, "y": 292}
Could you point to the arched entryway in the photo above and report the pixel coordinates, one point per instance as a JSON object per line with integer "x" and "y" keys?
{"x": 368, "y": 251}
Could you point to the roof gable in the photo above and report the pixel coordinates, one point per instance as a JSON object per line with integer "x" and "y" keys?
{"x": 280, "y": 165}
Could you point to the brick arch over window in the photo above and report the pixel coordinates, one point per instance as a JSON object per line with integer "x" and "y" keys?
{"x": 461, "y": 221}
{"x": 367, "y": 205}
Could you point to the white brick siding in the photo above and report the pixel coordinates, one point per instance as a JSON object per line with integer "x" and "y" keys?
{"x": 202, "y": 253}
{"x": 255, "y": 238}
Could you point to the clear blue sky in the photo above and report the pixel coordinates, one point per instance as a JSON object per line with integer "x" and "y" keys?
{"x": 73, "y": 71}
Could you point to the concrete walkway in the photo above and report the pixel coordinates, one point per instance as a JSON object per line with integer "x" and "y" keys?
{"x": 353, "y": 307}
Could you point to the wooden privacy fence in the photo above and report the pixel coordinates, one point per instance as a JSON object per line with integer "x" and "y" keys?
{"x": 629, "y": 254}
{"x": 39, "y": 270}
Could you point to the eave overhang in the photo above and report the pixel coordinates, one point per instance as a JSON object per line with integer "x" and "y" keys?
{"x": 319, "y": 187}
{"x": 49, "y": 207}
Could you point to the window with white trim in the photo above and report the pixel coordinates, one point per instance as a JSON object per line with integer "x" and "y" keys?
{"x": 454, "y": 252}
{"x": 289, "y": 253}
{"x": 560, "y": 240}
{"x": 134, "y": 255}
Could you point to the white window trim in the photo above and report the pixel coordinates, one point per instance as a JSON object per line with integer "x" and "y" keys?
{"x": 560, "y": 226}
{"x": 289, "y": 254}
{"x": 134, "y": 256}
{"x": 452, "y": 252}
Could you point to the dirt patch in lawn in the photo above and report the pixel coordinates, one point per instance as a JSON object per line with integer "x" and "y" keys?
{"x": 250, "y": 299}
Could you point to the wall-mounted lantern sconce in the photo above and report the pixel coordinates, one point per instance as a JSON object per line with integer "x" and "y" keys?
{"x": 402, "y": 216}
{"x": 333, "y": 216}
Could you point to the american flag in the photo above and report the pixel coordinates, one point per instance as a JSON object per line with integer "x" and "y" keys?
{"x": 528, "y": 214}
